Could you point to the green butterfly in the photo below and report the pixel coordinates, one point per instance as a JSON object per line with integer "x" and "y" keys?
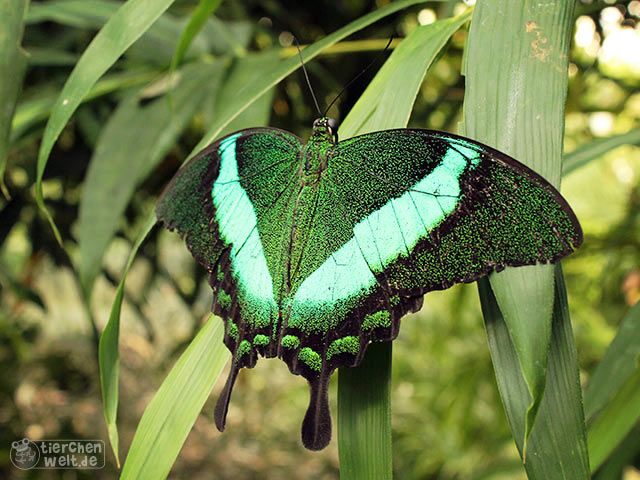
{"x": 316, "y": 249}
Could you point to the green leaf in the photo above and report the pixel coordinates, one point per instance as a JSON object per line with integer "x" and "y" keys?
{"x": 388, "y": 100}
{"x": 615, "y": 421}
{"x": 123, "y": 28}
{"x": 612, "y": 397}
{"x": 197, "y": 20}
{"x": 262, "y": 81}
{"x": 513, "y": 49}
{"x": 130, "y": 146}
{"x": 364, "y": 406}
{"x": 591, "y": 151}
{"x": 168, "y": 418}
{"x": 364, "y": 416}
{"x": 108, "y": 356}
{"x": 247, "y": 98}
{"x": 617, "y": 462}
{"x": 13, "y": 63}
{"x": 156, "y": 46}
{"x": 33, "y": 110}
{"x": 557, "y": 447}
{"x": 617, "y": 366}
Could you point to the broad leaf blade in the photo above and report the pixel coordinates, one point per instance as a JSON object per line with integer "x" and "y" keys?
{"x": 513, "y": 49}
{"x": 173, "y": 410}
{"x": 364, "y": 405}
{"x": 123, "y": 28}
{"x": 557, "y": 447}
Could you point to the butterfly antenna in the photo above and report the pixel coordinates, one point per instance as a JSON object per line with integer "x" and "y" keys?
{"x": 306, "y": 75}
{"x": 373, "y": 62}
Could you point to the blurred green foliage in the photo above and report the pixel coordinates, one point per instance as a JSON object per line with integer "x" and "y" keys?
{"x": 448, "y": 422}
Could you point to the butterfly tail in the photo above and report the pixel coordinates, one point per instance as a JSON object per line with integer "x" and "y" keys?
{"x": 222, "y": 406}
{"x": 316, "y": 427}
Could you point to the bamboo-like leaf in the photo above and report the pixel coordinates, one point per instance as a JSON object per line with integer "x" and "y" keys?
{"x": 557, "y": 447}
{"x": 197, "y": 20}
{"x": 13, "y": 63}
{"x": 364, "y": 416}
{"x": 586, "y": 153}
{"x": 34, "y": 110}
{"x": 174, "y": 408}
{"x": 156, "y": 46}
{"x": 132, "y": 143}
{"x": 388, "y": 100}
{"x": 123, "y": 28}
{"x": 612, "y": 398}
{"x": 615, "y": 421}
{"x": 108, "y": 354}
{"x": 244, "y": 99}
{"x": 513, "y": 49}
{"x": 618, "y": 365}
{"x": 364, "y": 406}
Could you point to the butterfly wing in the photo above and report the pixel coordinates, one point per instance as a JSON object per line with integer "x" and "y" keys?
{"x": 405, "y": 212}
{"x": 224, "y": 202}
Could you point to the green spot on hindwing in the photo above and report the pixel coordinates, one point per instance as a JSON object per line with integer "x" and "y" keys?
{"x": 376, "y": 320}
{"x": 233, "y": 330}
{"x": 261, "y": 340}
{"x": 291, "y": 342}
{"x": 223, "y": 299}
{"x": 244, "y": 348}
{"x": 311, "y": 358}
{"x": 348, "y": 344}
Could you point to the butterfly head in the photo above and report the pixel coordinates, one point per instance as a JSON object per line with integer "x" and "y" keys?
{"x": 325, "y": 128}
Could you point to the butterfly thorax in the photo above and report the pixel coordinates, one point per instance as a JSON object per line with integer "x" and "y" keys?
{"x": 318, "y": 150}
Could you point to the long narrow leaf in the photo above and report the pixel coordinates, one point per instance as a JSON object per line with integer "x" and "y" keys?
{"x": 586, "y": 153}
{"x": 173, "y": 410}
{"x": 612, "y": 398}
{"x": 123, "y": 28}
{"x": 513, "y": 49}
{"x": 108, "y": 354}
{"x": 364, "y": 416}
{"x": 197, "y": 20}
{"x": 364, "y": 406}
{"x": 557, "y": 446}
{"x": 132, "y": 143}
{"x": 13, "y": 63}
{"x": 618, "y": 365}
{"x": 615, "y": 421}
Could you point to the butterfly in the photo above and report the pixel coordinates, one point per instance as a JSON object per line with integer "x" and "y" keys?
{"x": 316, "y": 249}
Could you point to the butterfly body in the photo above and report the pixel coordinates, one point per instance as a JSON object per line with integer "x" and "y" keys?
{"x": 317, "y": 249}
